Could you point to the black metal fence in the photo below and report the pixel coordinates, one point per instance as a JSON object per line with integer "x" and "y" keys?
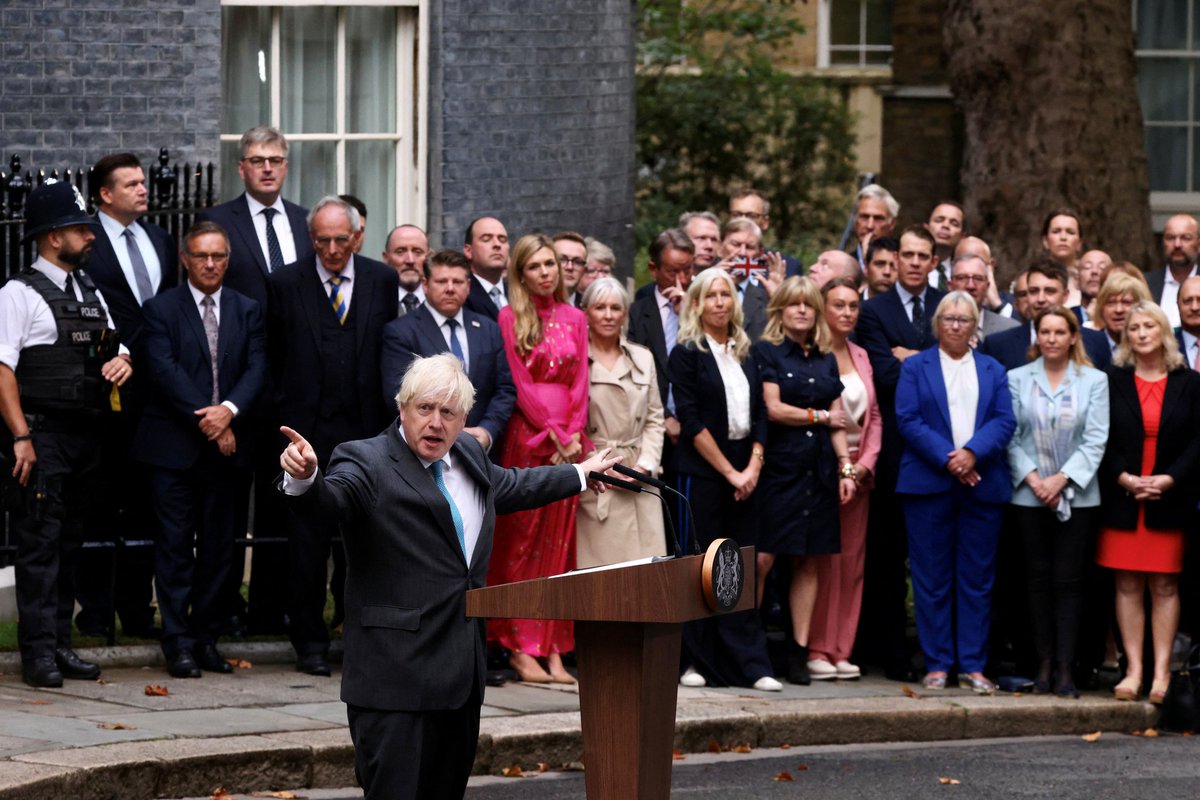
{"x": 176, "y": 195}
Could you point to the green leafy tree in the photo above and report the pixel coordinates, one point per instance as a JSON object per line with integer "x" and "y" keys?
{"x": 715, "y": 114}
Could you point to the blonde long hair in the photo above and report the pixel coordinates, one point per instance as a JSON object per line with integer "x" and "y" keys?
{"x": 691, "y": 329}
{"x": 798, "y": 289}
{"x": 1172, "y": 358}
{"x": 527, "y": 325}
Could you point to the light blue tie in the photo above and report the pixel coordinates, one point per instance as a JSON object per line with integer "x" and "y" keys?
{"x": 436, "y": 469}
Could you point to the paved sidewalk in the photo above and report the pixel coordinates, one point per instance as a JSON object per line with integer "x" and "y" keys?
{"x": 268, "y": 727}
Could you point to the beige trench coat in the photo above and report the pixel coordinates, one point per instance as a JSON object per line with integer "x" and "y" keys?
{"x": 626, "y": 414}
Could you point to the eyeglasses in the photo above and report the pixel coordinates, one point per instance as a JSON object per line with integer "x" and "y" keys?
{"x": 325, "y": 241}
{"x": 204, "y": 258}
{"x": 578, "y": 263}
{"x": 954, "y": 322}
{"x": 970, "y": 278}
{"x": 601, "y": 270}
{"x": 258, "y": 161}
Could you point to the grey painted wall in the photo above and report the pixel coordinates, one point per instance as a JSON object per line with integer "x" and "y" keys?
{"x": 532, "y": 118}
{"x": 82, "y": 78}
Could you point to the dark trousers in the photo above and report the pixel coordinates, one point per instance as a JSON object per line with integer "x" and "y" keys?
{"x": 268, "y": 597}
{"x": 1054, "y": 555}
{"x": 728, "y": 649}
{"x": 126, "y": 515}
{"x": 422, "y": 755}
{"x": 882, "y": 637}
{"x": 200, "y": 511}
{"x": 48, "y": 531}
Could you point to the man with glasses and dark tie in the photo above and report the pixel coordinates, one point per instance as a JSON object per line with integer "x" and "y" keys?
{"x": 325, "y": 323}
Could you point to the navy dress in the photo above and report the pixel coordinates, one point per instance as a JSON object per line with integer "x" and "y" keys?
{"x": 798, "y": 489}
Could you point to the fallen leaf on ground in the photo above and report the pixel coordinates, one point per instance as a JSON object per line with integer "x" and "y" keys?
{"x": 37, "y": 702}
{"x": 1189, "y": 733}
{"x": 543, "y": 766}
{"x": 910, "y": 693}
{"x": 101, "y": 681}
{"x": 949, "y": 781}
{"x": 1138, "y": 732}
{"x": 115, "y": 726}
{"x": 514, "y": 771}
{"x": 1150, "y": 732}
{"x": 678, "y": 755}
{"x": 714, "y": 746}
{"x": 744, "y": 747}
{"x": 802, "y": 767}
{"x": 784, "y": 776}
{"x": 154, "y": 690}
{"x": 219, "y": 793}
{"x": 242, "y": 663}
{"x": 277, "y": 795}
{"x": 1092, "y": 737}
{"x": 785, "y": 746}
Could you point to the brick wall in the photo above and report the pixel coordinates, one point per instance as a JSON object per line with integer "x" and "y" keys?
{"x": 82, "y": 78}
{"x": 531, "y": 118}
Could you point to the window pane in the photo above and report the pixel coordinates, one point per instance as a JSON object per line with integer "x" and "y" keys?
{"x": 1166, "y": 151}
{"x": 312, "y": 172}
{"x": 1163, "y": 89}
{"x": 308, "y": 70}
{"x": 878, "y": 59}
{"x": 371, "y": 70}
{"x": 843, "y": 22}
{"x": 1162, "y": 25}
{"x": 879, "y": 22}
{"x": 371, "y": 176}
{"x": 844, "y": 56}
{"x": 245, "y": 66}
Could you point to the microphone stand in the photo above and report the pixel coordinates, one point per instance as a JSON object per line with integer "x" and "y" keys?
{"x": 663, "y": 487}
{"x": 672, "y": 543}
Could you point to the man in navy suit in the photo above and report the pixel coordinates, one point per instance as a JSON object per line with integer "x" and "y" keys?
{"x": 205, "y": 353}
{"x": 1045, "y": 286}
{"x": 442, "y": 325}
{"x": 325, "y": 323}
{"x": 486, "y": 247}
{"x": 132, "y": 261}
{"x": 1187, "y": 335}
{"x": 1181, "y": 244}
{"x": 893, "y": 327}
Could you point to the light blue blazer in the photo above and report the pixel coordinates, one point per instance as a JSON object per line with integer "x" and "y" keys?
{"x": 1088, "y": 440}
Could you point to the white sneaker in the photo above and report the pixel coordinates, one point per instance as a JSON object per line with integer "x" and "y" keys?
{"x": 822, "y": 670}
{"x": 692, "y": 679}
{"x": 847, "y": 671}
{"x": 768, "y": 684}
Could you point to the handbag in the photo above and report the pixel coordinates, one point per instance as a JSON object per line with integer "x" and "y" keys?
{"x": 1181, "y": 707}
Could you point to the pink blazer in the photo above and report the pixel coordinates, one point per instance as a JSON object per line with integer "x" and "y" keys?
{"x": 872, "y": 429}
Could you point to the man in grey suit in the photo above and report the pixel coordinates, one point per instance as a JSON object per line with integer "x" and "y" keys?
{"x": 969, "y": 273}
{"x": 418, "y": 505}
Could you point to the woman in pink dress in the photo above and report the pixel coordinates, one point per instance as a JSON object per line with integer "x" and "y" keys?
{"x": 546, "y": 342}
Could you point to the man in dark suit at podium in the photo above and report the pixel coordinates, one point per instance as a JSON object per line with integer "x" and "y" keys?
{"x": 417, "y": 505}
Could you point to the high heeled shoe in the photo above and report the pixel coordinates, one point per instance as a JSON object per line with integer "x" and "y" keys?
{"x": 1158, "y": 691}
{"x": 1128, "y": 689}
{"x": 520, "y": 662}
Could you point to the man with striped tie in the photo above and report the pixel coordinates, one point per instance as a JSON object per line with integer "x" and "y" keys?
{"x": 325, "y": 320}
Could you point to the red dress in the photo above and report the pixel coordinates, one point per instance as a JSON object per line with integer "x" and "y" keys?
{"x": 552, "y": 393}
{"x": 1144, "y": 549}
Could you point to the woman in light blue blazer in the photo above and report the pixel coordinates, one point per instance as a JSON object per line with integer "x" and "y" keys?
{"x": 954, "y": 413}
{"x": 1061, "y": 405}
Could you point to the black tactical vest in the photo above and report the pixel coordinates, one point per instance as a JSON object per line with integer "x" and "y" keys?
{"x": 64, "y": 377}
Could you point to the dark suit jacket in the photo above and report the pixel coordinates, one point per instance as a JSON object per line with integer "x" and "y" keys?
{"x": 418, "y": 334}
{"x": 1177, "y": 453}
{"x": 1011, "y": 347}
{"x": 479, "y": 301}
{"x": 409, "y": 645}
{"x": 923, "y": 417}
{"x": 298, "y": 303}
{"x": 645, "y": 328}
{"x": 248, "y": 267}
{"x": 1155, "y": 279}
{"x": 105, "y": 270}
{"x": 700, "y": 405}
{"x": 754, "y": 310}
{"x": 882, "y": 325}
{"x": 180, "y": 371}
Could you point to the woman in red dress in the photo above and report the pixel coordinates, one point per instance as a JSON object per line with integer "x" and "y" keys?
{"x": 1149, "y": 488}
{"x": 546, "y": 342}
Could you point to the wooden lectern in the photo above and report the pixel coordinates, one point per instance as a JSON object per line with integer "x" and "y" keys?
{"x": 627, "y": 638}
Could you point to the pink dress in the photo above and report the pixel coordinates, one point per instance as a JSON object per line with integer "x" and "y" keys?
{"x": 552, "y": 393}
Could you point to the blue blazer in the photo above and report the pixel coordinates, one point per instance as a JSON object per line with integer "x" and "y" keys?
{"x": 418, "y": 334}
{"x": 923, "y": 416}
{"x": 180, "y": 371}
{"x": 248, "y": 268}
{"x": 1088, "y": 439}
{"x": 1011, "y": 347}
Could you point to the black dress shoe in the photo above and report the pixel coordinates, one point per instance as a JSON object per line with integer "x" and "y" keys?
{"x": 41, "y": 673}
{"x": 313, "y": 664}
{"x": 211, "y": 660}
{"x": 183, "y": 665}
{"x": 74, "y": 667}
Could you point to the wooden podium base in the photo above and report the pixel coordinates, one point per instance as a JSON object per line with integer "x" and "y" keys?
{"x": 628, "y": 683}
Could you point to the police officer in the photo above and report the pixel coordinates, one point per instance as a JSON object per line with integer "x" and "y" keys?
{"x": 59, "y": 364}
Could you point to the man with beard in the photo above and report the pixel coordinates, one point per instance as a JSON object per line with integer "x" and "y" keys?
{"x": 406, "y": 250}
{"x": 1181, "y": 242}
{"x": 58, "y": 365}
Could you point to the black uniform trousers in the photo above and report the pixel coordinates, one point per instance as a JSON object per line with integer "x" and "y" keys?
{"x": 63, "y": 491}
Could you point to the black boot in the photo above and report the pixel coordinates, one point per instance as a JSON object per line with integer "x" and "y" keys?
{"x": 798, "y": 664}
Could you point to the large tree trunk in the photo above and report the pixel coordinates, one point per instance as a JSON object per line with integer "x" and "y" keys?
{"x": 1049, "y": 95}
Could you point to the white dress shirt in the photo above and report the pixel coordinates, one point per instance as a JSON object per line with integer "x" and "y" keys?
{"x": 460, "y": 333}
{"x": 283, "y": 229}
{"x": 962, "y": 394}
{"x": 347, "y": 275}
{"x": 488, "y": 286}
{"x": 1170, "y": 295}
{"x": 1191, "y": 349}
{"x": 737, "y": 388}
{"x": 198, "y": 298}
{"x": 116, "y": 236}
{"x": 906, "y": 298}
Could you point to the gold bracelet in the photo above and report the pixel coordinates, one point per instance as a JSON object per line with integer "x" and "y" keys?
{"x": 759, "y": 454}
{"x": 848, "y": 471}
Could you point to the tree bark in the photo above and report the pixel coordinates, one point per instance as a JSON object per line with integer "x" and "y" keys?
{"x": 1048, "y": 92}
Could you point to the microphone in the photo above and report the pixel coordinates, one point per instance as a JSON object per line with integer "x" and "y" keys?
{"x": 620, "y": 484}
{"x": 650, "y": 480}
{"x": 641, "y": 476}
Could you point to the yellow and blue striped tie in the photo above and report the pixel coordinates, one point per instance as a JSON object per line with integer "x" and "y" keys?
{"x": 340, "y": 306}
